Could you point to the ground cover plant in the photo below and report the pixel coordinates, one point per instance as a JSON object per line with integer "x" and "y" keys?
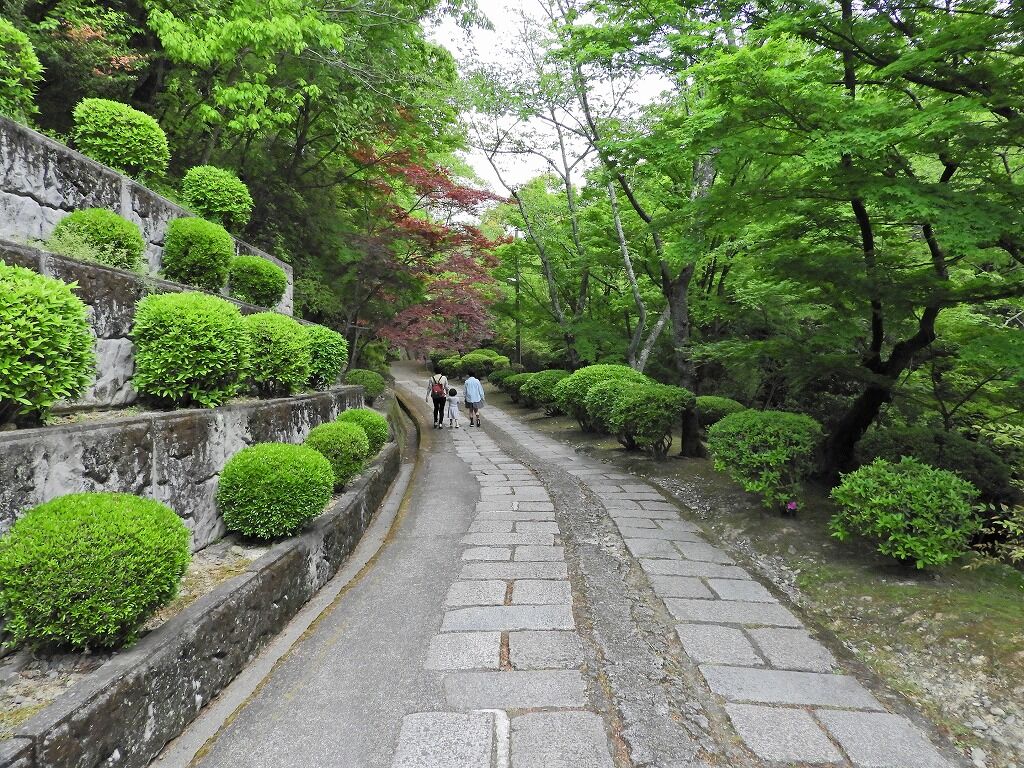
{"x": 271, "y": 490}
{"x": 46, "y": 348}
{"x": 87, "y": 570}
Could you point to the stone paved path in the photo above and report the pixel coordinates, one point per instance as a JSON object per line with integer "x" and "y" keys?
{"x": 538, "y": 609}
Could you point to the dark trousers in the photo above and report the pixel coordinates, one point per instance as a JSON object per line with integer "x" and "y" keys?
{"x": 439, "y": 409}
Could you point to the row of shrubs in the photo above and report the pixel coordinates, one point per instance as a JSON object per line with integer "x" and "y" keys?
{"x": 191, "y": 348}
{"x": 914, "y": 495}
{"x": 88, "y": 570}
{"x": 479, "y": 362}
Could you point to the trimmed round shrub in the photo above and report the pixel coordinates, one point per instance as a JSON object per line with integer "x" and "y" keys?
{"x": 497, "y": 378}
{"x": 217, "y": 195}
{"x": 344, "y": 444}
{"x": 599, "y": 402}
{"x": 373, "y": 383}
{"x": 974, "y": 462}
{"x": 644, "y": 415}
{"x": 198, "y": 252}
{"x": 450, "y": 366}
{"x": 273, "y": 489}
{"x": 540, "y": 390}
{"x": 374, "y": 425}
{"x": 571, "y": 392}
{"x": 115, "y": 241}
{"x": 190, "y": 348}
{"x": 514, "y": 385}
{"x": 279, "y": 353}
{"x": 20, "y": 72}
{"x": 328, "y": 353}
{"x": 437, "y": 355}
{"x": 87, "y": 570}
{"x": 713, "y": 409}
{"x": 482, "y": 363}
{"x": 255, "y": 280}
{"x": 121, "y": 137}
{"x": 769, "y": 453}
{"x": 917, "y": 514}
{"x": 46, "y": 347}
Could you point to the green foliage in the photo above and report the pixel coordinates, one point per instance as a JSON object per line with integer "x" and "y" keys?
{"x": 217, "y": 195}
{"x": 87, "y": 570}
{"x": 974, "y": 462}
{"x": 497, "y": 378}
{"x": 373, "y": 383}
{"x": 255, "y": 280}
{"x": 20, "y": 72}
{"x": 540, "y": 390}
{"x": 190, "y": 348}
{"x": 713, "y": 409}
{"x": 644, "y": 415}
{"x": 198, "y": 252}
{"x": 918, "y": 514}
{"x": 1003, "y": 534}
{"x": 600, "y": 400}
{"x": 374, "y": 425}
{"x": 481, "y": 363}
{"x": 513, "y": 384}
{"x": 328, "y": 353}
{"x": 121, "y": 137}
{"x": 115, "y": 241}
{"x": 571, "y": 392}
{"x": 344, "y": 444}
{"x": 450, "y": 366}
{"x": 279, "y": 353}
{"x": 273, "y": 489}
{"x": 46, "y": 348}
{"x": 768, "y": 452}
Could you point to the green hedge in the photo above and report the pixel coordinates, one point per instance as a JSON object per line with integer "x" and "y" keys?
{"x": 645, "y": 415}
{"x": 514, "y": 384}
{"x": 198, "y": 252}
{"x": 713, "y": 409}
{"x": 345, "y": 445}
{"x": 121, "y": 137}
{"x": 46, "y": 347}
{"x": 917, "y": 514}
{"x": 328, "y": 353}
{"x": 973, "y": 461}
{"x": 540, "y": 390}
{"x": 110, "y": 239}
{"x": 87, "y": 570}
{"x": 273, "y": 489}
{"x": 20, "y": 72}
{"x": 373, "y": 383}
{"x": 374, "y": 425}
{"x": 449, "y": 366}
{"x": 190, "y": 348}
{"x": 599, "y": 402}
{"x": 769, "y": 453}
{"x": 481, "y": 363}
{"x": 497, "y": 378}
{"x": 571, "y": 392}
{"x": 255, "y": 280}
{"x": 279, "y": 354}
{"x": 217, "y": 195}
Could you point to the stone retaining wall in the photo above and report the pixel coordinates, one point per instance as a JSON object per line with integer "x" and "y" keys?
{"x": 42, "y": 181}
{"x": 122, "y": 715}
{"x": 174, "y": 457}
{"x": 110, "y": 296}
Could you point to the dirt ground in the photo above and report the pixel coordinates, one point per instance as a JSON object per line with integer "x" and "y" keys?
{"x": 950, "y": 639}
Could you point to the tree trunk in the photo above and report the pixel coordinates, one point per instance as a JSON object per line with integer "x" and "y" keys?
{"x": 838, "y": 452}
{"x": 677, "y": 291}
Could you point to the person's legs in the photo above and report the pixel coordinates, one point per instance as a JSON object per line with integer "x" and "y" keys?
{"x": 439, "y": 411}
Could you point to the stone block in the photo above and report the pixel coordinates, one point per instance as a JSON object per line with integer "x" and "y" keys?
{"x": 560, "y": 740}
{"x": 464, "y": 650}
{"x": 731, "y": 612}
{"x": 511, "y": 571}
{"x": 445, "y": 740}
{"x": 769, "y": 686}
{"x": 881, "y": 740}
{"x": 782, "y": 735}
{"x": 545, "y": 650}
{"x": 680, "y": 586}
{"x": 704, "y": 552}
{"x": 713, "y": 644}
{"x": 682, "y": 526}
{"x": 491, "y": 526}
{"x": 536, "y": 527}
{"x": 741, "y": 589}
{"x": 465, "y": 593}
{"x": 487, "y": 553}
{"x": 541, "y": 592}
{"x": 692, "y": 568}
{"x": 508, "y": 539}
{"x": 792, "y": 649}
{"x": 515, "y": 690}
{"x": 654, "y": 548}
{"x": 540, "y": 554}
{"x": 508, "y": 617}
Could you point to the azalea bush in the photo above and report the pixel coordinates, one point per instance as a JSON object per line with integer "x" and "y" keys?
{"x": 373, "y": 383}
{"x": 540, "y": 389}
{"x": 713, "y": 409}
{"x": 570, "y": 393}
{"x": 374, "y": 425}
{"x": 20, "y": 73}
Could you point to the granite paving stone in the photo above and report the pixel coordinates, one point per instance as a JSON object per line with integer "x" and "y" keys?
{"x": 692, "y": 568}
{"x": 463, "y": 593}
{"x": 487, "y": 553}
{"x": 509, "y": 571}
{"x": 533, "y": 527}
{"x": 659, "y": 534}
{"x": 683, "y": 526}
{"x": 545, "y": 650}
{"x": 713, "y": 644}
{"x": 624, "y": 513}
{"x": 731, "y": 612}
{"x": 792, "y": 649}
{"x": 536, "y": 553}
{"x": 464, "y": 650}
{"x": 704, "y": 552}
{"x": 507, "y": 617}
{"x": 515, "y": 690}
{"x": 559, "y": 740}
{"x": 512, "y": 515}
{"x": 491, "y": 526}
{"x": 507, "y": 539}
{"x": 680, "y": 586}
{"x": 769, "y": 686}
{"x": 445, "y": 740}
{"x": 741, "y": 589}
{"x": 782, "y": 735}
{"x": 881, "y": 740}
{"x": 541, "y": 592}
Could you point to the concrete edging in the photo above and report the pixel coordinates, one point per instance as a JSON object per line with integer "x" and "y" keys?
{"x": 127, "y": 711}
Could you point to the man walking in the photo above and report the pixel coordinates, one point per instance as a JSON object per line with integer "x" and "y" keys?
{"x": 437, "y": 390}
{"x": 474, "y": 392}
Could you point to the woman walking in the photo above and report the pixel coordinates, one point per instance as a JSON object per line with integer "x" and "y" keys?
{"x": 437, "y": 390}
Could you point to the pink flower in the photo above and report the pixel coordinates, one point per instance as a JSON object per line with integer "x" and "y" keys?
{"x": 792, "y": 506}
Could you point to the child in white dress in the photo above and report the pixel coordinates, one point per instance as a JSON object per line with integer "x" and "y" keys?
{"x": 453, "y": 409}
